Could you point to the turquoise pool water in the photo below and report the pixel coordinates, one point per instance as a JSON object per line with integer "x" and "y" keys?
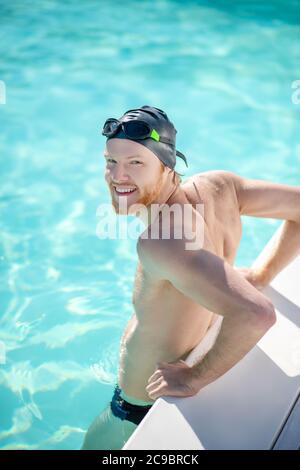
{"x": 222, "y": 73}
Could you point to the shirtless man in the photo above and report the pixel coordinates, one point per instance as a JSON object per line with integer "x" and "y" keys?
{"x": 179, "y": 293}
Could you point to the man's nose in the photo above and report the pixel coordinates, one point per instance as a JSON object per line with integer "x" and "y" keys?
{"x": 119, "y": 173}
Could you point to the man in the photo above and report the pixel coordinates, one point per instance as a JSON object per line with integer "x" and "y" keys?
{"x": 179, "y": 293}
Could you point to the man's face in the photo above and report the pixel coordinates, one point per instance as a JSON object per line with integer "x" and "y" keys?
{"x": 130, "y": 165}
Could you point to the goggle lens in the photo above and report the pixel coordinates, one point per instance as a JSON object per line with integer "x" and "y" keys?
{"x": 136, "y": 129}
{"x": 110, "y": 126}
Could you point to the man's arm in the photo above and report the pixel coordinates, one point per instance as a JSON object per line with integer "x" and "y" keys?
{"x": 259, "y": 198}
{"x": 212, "y": 282}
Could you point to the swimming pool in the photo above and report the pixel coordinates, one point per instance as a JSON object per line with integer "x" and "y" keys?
{"x": 223, "y": 75}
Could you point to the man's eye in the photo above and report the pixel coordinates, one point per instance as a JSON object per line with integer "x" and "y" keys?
{"x": 110, "y": 160}
{"x": 135, "y": 161}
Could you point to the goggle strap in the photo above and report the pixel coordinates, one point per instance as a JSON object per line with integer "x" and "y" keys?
{"x": 181, "y": 156}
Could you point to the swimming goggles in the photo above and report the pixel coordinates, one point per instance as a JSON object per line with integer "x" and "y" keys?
{"x": 135, "y": 129}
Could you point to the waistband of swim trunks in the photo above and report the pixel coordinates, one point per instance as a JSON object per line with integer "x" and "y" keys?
{"x": 131, "y": 400}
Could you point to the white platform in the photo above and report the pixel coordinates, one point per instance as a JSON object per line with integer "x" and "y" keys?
{"x": 255, "y": 405}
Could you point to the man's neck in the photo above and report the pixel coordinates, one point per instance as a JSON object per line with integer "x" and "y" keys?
{"x": 167, "y": 193}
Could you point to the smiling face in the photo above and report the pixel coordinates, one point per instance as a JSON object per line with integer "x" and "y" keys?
{"x": 132, "y": 172}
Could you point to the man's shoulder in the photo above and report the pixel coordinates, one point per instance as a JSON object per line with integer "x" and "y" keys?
{"x": 160, "y": 256}
{"x": 158, "y": 247}
{"x": 151, "y": 254}
{"x": 232, "y": 181}
{"x": 222, "y": 175}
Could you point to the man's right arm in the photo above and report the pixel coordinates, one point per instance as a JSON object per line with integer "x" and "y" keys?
{"x": 212, "y": 282}
{"x": 204, "y": 277}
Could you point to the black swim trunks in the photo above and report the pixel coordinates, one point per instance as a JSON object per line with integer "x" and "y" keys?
{"x": 124, "y": 410}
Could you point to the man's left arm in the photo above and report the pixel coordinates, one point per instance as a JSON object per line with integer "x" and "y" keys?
{"x": 260, "y": 198}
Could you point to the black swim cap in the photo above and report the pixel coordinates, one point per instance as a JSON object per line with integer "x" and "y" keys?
{"x": 158, "y": 120}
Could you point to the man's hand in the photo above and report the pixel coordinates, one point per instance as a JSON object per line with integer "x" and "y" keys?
{"x": 255, "y": 277}
{"x": 172, "y": 379}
